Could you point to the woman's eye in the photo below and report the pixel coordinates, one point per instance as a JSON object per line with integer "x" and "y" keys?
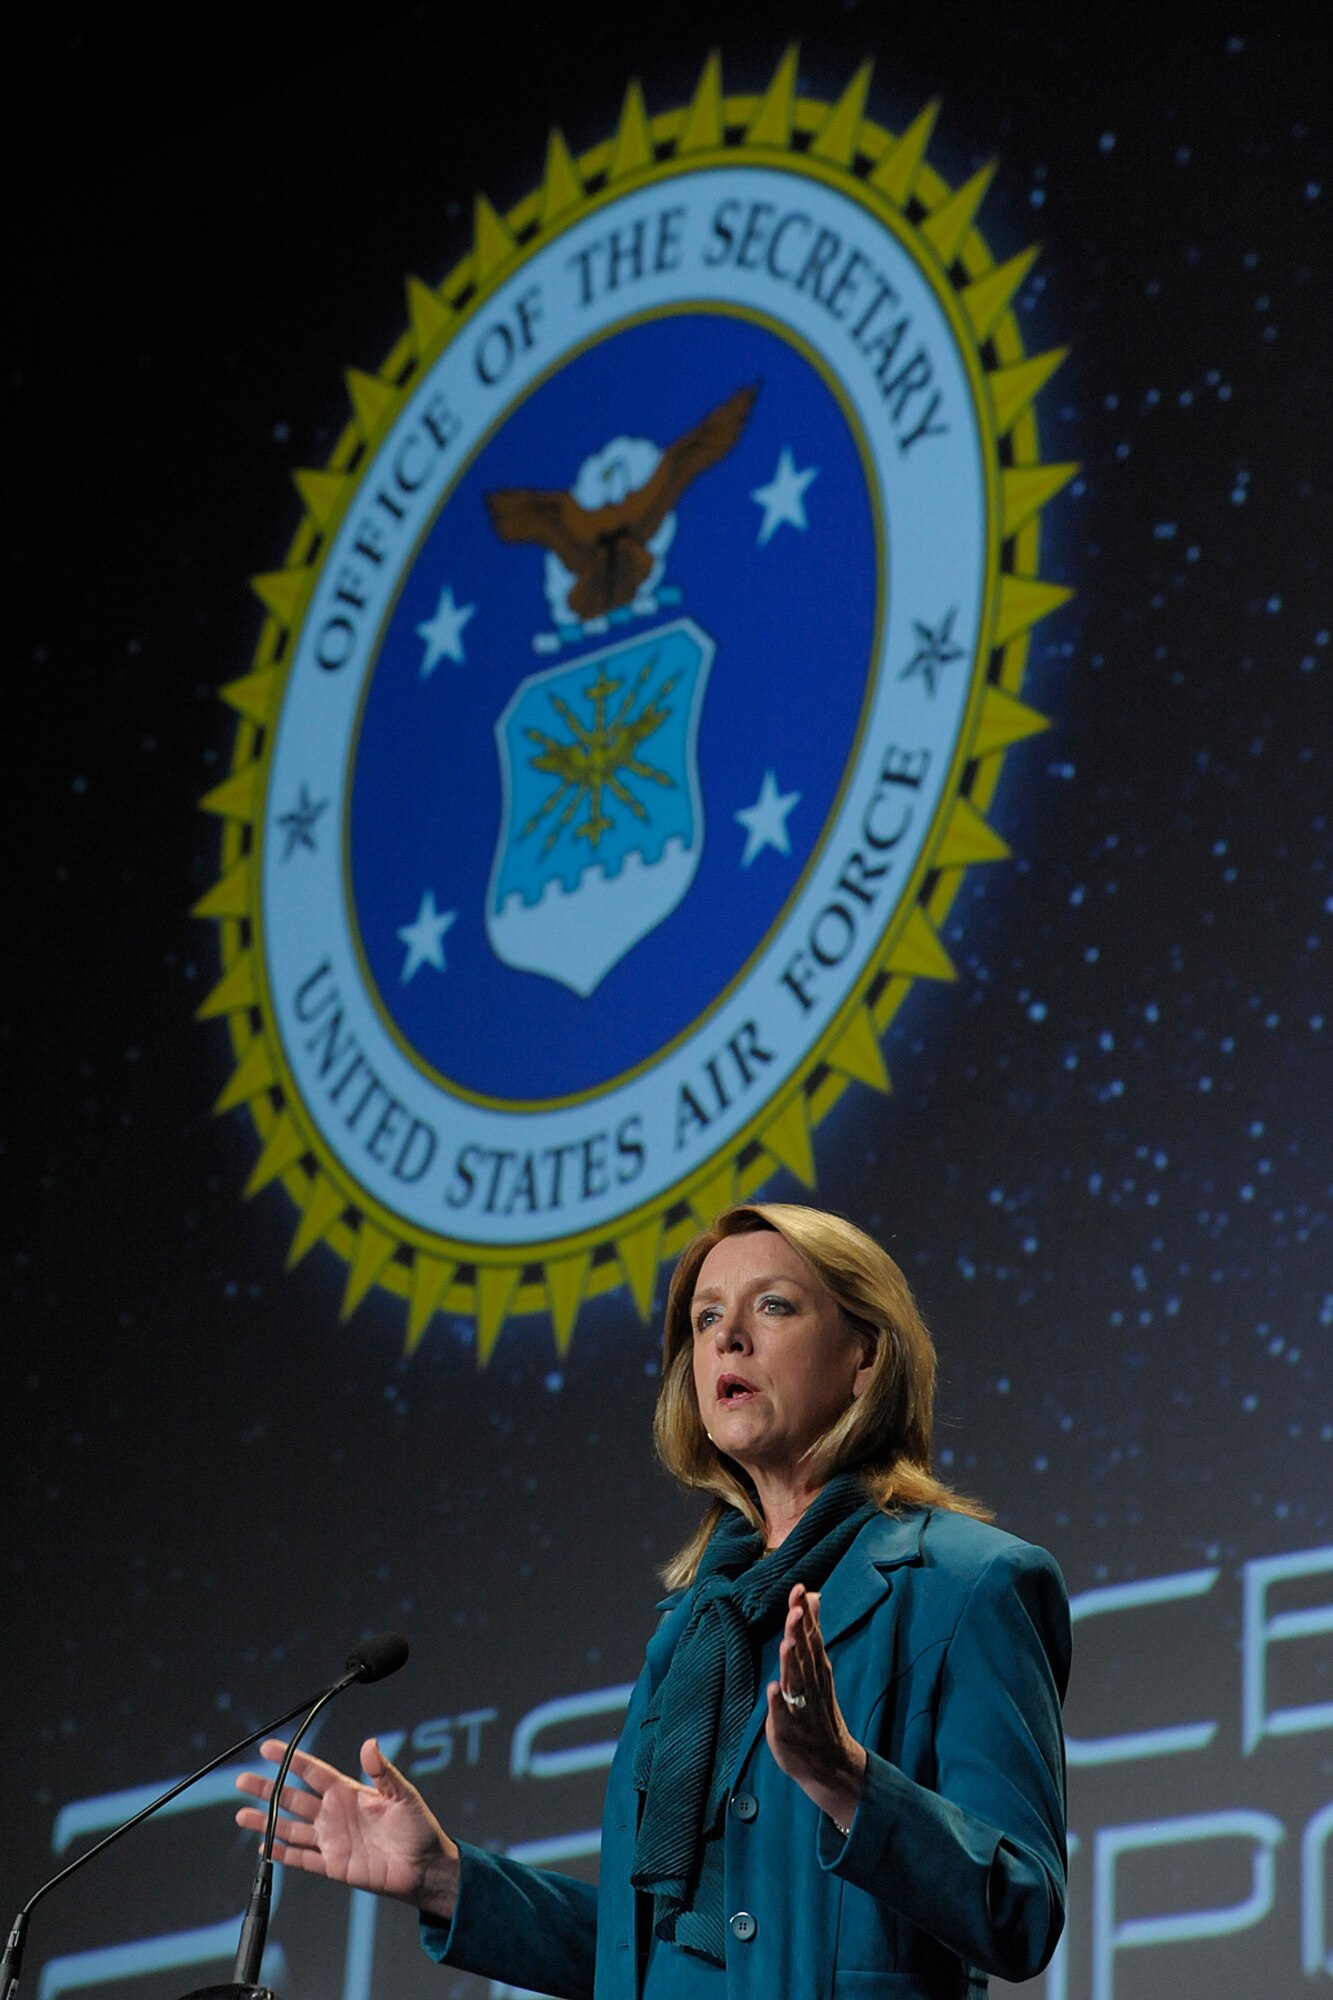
{"x": 774, "y": 1304}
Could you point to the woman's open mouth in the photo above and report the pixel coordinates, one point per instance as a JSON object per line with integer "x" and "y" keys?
{"x": 734, "y": 1389}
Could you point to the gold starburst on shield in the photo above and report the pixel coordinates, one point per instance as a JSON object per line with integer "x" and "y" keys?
{"x": 593, "y": 761}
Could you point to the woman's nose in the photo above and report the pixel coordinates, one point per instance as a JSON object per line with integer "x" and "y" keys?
{"x": 730, "y": 1331}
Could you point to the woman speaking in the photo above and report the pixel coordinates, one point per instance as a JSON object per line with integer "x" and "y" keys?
{"x": 841, "y": 1771}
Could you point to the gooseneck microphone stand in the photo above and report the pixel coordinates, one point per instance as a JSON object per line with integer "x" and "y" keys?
{"x": 244, "y": 1981}
{"x": 375, "y": 1659}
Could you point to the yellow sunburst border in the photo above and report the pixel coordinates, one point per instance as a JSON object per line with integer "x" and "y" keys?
{"x": 883, "y": 170}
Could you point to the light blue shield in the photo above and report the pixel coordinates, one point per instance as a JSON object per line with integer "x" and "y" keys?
{"x": 603, "y": 819}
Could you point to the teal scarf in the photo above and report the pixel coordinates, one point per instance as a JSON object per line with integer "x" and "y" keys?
{"x": 691, "y": 1735}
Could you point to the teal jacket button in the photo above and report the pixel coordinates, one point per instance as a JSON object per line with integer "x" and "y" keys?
{"x": 743, "y": 1926}
{"x": 745, "y": 1805}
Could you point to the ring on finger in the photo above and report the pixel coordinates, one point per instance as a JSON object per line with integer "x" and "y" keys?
{"x": 795, "y": 1702}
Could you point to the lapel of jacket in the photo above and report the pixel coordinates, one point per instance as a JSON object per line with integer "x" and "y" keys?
{"x": 856, "y": 1587}
{"x": 864, "y": 1576}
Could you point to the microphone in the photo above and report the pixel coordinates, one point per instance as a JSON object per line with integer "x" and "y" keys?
{"x": 373, "y": 1660}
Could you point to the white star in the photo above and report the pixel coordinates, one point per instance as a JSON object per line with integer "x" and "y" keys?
{"x": 443, "y": 633}
{"x": 423, "y": 937}
{"x": 783, "y": 499}
{"x": 765, "y": 822}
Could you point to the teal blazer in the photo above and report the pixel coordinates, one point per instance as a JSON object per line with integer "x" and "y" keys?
{"x": 950, "y": 1649}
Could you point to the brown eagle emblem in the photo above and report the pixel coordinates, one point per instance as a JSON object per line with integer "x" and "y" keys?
{"x": 605, "y": 548}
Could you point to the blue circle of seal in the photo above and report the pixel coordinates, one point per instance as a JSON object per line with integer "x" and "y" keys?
{"x": 790, "y": 619}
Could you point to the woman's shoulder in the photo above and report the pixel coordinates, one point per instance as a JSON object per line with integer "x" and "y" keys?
{"x": 931, "y": 1573}
{"x": 942, "y": 1539}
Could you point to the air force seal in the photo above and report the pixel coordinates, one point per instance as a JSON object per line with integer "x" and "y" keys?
{"x": 629, "y": 705}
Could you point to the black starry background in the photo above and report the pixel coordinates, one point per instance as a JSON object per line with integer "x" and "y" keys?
{"x": 1105, "y": 1163}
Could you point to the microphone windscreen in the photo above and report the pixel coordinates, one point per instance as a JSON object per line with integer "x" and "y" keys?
{"x": 374, "y": 1659}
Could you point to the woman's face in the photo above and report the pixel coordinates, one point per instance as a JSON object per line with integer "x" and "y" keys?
{"x": 775, "y": 1361}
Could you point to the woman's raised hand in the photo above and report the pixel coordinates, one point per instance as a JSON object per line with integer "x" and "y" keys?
{"x": 381, "y": 1836}
{"x": 806, "y": 1732}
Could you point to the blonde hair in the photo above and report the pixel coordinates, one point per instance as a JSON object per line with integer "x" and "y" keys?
{"x": 884, "y": 1435}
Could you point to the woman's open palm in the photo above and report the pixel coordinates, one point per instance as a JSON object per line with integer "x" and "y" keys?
{"x": 381, "y": 1836}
